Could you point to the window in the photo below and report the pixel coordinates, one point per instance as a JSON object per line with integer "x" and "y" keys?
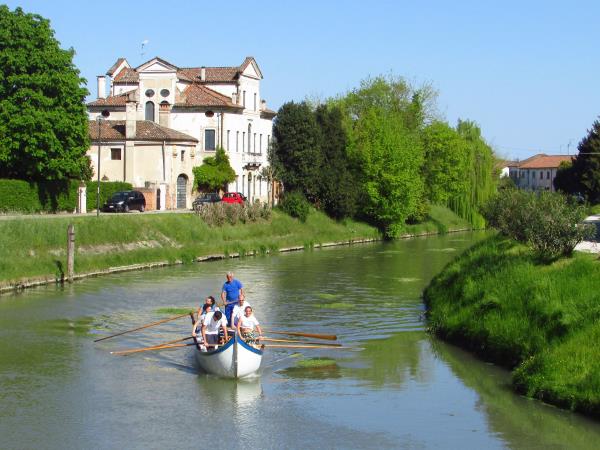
{"x": 243, "y": 142}
{"x": 249, "y": 137}
{"x": 209, "y": 140}
{"x": 254, "y": 143}
{"x": 237, "y": 142}
{"x": 268, "y": 142}
{"x": 228, "y": 140}
{"x": 548, "y": 175}
{"x": 255, "y": 101}
{"x": 533, "y": 174}
{"x": 182, "y": 155}
{"x": 244, "y": 99}
{"x": 149, "y": 93}
{"x": 149, "y": 111}
{"x": 164, "y": 92}
{"x": 260, "y": 144}
{"x": 115, "y": 154}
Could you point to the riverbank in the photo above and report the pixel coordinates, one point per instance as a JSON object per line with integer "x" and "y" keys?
{"x": 33, "y": 252}
{"x": 542, "y": 320}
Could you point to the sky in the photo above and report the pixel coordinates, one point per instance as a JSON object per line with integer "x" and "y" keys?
{"x": 526, "y": 71}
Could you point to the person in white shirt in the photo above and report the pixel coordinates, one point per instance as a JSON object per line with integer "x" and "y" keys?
{"x": 211, "y": 325}
{"x": 248, "y": 326}
{"x": 238, "y": 311}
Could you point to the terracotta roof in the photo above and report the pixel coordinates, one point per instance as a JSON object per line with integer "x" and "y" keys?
{"x": 145, "y": 131}
{"x": 111, "y": 100}
{"x": 542, "y": 161}
{"x": 199, "y": 95}
{"x": 114, "y": 67}
{"x": 213, "y": 74}
{"x": 127, "y": 75}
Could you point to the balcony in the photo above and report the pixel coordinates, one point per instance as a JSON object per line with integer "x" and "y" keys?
{"x": 252, "y": 161}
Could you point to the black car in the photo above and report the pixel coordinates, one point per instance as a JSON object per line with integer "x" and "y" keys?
{"x": 125, "y": 201}
{"x": 211, "y": 197}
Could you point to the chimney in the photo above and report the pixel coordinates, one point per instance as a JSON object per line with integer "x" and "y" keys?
{"x": 101, "y": 86}
{"x": 202, "y": 73}
{"x": 263, "y": 105}
{"x": 130, "y": 117}
{"x": 164, "y": 115}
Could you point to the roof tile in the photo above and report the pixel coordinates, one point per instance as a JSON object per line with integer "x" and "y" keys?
{"x": 145, "y": 131}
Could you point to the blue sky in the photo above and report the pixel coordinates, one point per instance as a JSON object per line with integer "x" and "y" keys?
{"x": 526, "y": 71}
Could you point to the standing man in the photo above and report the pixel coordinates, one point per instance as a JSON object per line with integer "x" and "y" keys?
{"x": 232, "y": 291}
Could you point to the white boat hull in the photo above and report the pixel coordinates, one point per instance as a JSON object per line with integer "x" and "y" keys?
{"x": 235, "y": 359}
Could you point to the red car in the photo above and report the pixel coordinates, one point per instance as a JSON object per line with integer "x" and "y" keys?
{"x": 233, "y": 197}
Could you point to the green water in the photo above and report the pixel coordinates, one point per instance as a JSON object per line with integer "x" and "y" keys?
{"x": 397, "y": 387}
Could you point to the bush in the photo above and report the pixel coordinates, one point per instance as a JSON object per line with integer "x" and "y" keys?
{"x": 23, "y": 197}
{"x": 295, "y": 205}
{"x": 218, "y": 214}
{"x": 548, "y": 222}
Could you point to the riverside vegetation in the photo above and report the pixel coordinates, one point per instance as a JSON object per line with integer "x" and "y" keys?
{"x": 537, "y": 313}
{"x": 31, "y": 248}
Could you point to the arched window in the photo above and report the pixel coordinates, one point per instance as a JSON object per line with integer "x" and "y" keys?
{"x": 149, "y": 111}
{"x": 249, "y": 138}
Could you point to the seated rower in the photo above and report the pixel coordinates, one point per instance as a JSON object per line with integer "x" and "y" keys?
{"x": 211, "y": 325}
{"x": 210, "y": 304}
{"x": 238, "y": 311}
{"x": 248, "y": 326}
{"x": 199, "y": 319}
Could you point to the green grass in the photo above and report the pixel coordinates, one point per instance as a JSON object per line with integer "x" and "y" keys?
{"x": 541, "y": 319}
{"x": 34, "y": 247}
{"x": 441, "y": 220}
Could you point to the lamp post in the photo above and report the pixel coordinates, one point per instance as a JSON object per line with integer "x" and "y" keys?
{"x": 99, "y": 119}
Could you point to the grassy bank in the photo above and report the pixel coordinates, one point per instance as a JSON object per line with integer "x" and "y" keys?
{"x": 540, "y": 319}
{"x": 33, "y": 248}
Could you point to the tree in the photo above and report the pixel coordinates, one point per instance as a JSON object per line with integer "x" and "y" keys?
{"x": 297, "y": 148}
{"x": 339, "y": 189}
{"x": 43, "y": 120}
{"x": 584, "y": 174}
{"x": 446, "y": 163}
{"x": 390, "y": 156}
{"x": 214, "y": 173}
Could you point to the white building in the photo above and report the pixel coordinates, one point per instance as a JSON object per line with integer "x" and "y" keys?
{"x": 538, "y": 172}
{"x": 164, "y": 120}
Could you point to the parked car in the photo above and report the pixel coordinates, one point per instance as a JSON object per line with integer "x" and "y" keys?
{"x": 233, "y": 197}
{"x": 125, "y": 201}
{"x": 210, "y": 197}
{"x": 243, "y": 196}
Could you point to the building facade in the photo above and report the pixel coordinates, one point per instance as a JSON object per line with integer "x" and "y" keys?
{"x": 537, "y": 172}
{"x": 159, "y": 121}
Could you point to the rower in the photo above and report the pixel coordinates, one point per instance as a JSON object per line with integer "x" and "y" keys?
{"x": 211, "y": 325}
{"x": 238, "y": 311}
{"x": 248, "y": 326}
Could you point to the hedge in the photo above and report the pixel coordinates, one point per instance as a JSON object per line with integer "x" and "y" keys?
{"x": 25, "y": 197}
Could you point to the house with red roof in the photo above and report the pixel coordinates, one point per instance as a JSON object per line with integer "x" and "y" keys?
{"x": 152, "y": 124}
{"x": 538, "y": 172}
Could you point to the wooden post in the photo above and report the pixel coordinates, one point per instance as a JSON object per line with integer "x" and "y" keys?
{"x": 70, "y": 252}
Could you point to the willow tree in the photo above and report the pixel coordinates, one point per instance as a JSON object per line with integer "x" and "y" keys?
{"x": 479, "y": 173}
{"x": 43, "y": 120}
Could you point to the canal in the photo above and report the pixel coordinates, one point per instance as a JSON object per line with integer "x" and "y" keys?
{"x": 397, "y": 388}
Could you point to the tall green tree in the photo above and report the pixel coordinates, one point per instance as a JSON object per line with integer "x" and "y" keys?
{"x": 390, "y": 156}
{"x": 339, "y": 188}
{"x": 43, "y": 120}
{"x": 297, "y": 149}
{"x": 446, "y": 163}
{"x": 583, "y": 175}
{"x": 214, "y": 173}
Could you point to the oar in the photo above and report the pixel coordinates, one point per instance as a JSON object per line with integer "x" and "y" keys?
{"x": 296, "y": 341}
{"x": 146, "y": 349}
{"x": 306, "y": 346}
{"x": 329, "y": 337}
{"x": 142, "y": 327}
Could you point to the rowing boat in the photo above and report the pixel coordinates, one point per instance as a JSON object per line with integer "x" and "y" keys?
{"x": 234, "y": 359}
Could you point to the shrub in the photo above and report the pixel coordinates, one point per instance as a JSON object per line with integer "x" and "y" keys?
{"x": 218, "y": 214}
{"x": 548, "y": 222}
{"x": 21, "y": 196}
{"x": 295, "y": 205}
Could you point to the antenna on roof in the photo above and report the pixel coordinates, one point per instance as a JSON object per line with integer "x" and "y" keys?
{"x": 144, "y": 43}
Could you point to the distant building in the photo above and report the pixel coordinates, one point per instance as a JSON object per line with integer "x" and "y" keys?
{"x": 538, "y": 172}
{"x": 164, "y": 120}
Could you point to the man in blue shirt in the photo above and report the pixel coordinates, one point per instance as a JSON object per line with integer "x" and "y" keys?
{"x": 232, "y": 291}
